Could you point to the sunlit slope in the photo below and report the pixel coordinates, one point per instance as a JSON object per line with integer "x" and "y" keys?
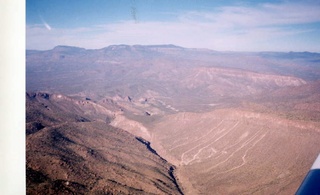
{"x": 239, "y": 152}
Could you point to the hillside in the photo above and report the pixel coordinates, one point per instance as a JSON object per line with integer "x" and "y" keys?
{"x": 225, "y": 150}
{"x": 69, "y": 152}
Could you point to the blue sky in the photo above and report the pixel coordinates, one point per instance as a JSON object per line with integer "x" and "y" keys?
{"x": 223, "y": 25}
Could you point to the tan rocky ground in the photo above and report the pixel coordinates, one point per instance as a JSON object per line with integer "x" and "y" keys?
{"x": 71, "y": 154}
{"x": 225, "y": 150}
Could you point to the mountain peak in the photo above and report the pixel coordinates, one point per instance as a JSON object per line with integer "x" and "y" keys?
{"x": 67, "y": 48}
{"x": 165, "y": 46}
{"x": 124, "y": 46}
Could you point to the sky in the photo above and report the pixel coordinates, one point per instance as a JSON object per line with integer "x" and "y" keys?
{"x": 222, "y": 25}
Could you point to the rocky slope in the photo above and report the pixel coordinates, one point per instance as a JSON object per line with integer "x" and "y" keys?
{"x": 72, "y": 153}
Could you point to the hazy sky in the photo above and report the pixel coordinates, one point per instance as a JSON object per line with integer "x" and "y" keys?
{"x": 215, "y": 24}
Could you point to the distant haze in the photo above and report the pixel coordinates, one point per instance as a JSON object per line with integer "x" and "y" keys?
{"x": 219, "y": 25}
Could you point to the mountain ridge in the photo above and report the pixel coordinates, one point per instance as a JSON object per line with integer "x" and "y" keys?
{"x": 268, "y": 53}
{"x": 72, "y": 152}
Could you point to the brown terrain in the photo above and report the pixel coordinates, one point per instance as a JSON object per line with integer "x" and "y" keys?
{"x": 72, "y": 152}
{"x": 225, "y": 150}
{"x": 170, "y": 120}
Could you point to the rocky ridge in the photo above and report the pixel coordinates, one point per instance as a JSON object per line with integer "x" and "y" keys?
{"x": 69, "y": 150}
